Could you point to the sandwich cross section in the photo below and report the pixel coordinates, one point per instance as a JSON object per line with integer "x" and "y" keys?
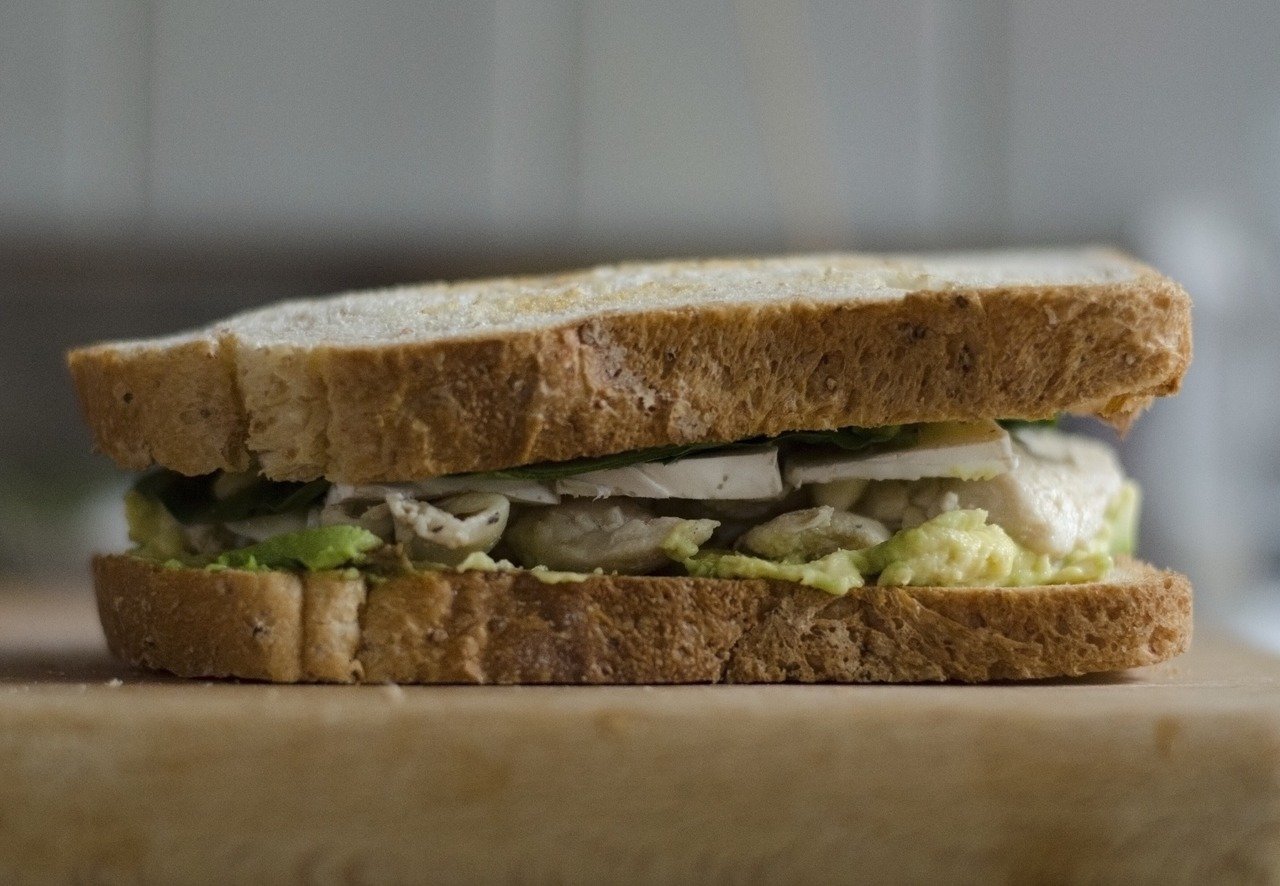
{"x": 797, "y": 469}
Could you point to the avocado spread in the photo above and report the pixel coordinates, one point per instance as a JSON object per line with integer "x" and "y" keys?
{"x": 324, "y": 547}
{"x": 157, "y": 535}
{"x": 482, "y": 562}
{"x": 958, "y": 548}
{"x": 837, "y": 573}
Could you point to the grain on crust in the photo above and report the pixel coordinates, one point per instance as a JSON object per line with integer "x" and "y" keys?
{"x": 175, "y": 402}
{"x": 511, "y": 628}
{"x": 331, "y": 604}
{"x": 213, "y": 624}
{"x": 719, "y": 368}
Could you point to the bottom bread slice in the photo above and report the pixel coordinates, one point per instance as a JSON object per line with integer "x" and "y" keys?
{"x": 475, "y": 627}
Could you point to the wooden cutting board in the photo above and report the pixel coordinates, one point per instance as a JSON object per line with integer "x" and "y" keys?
{"x": 1171, "y": 774}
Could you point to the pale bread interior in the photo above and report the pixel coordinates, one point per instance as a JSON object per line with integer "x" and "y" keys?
{"x": 443, "y": 311}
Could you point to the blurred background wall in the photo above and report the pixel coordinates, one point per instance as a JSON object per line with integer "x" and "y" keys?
{"x": 165, "y": 161}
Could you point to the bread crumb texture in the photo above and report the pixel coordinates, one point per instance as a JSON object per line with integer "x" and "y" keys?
{"x": 439, "y": 627}
{"x": 420, "y": 381}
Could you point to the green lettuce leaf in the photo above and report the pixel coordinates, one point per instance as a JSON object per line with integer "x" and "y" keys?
{"x": 192, "y": 500}
{"x": 1013, "y": 424}
{"x": 324, "y": 547}
{"x": 850, "y": 439}
{"x": 853, "y": 439}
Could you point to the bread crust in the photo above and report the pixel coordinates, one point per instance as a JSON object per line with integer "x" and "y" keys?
{"x": 716, "y": 371}
{"x": 176, "y": 404}
{"x": 444, "y": 627}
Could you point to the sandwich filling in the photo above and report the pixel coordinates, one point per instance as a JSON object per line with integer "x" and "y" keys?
{"x": 953, "y": 504}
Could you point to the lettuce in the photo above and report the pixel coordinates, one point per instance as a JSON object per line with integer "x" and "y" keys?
{"x": 324, "y": 547}
{"x": 194, "y": 500}
{"x": 850, "y": 439}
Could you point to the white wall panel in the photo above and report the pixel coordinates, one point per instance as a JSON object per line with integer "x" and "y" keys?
{"x": 105, "y": 124}
{"x": 962, "y": 184}
{"x": 727, "y": 123}
{"x": 668, "y": 151}
{"x": 316, "y": 114}
{"x": 73, "y": 115}
{"x": 1116, "y": 106}
{"x": 32, "y": 106}
{"x": 873, "y": 84}
{"x": 534, "y": 144}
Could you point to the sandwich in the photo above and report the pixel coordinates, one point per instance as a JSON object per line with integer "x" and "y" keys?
{"x": 821, "y": 468}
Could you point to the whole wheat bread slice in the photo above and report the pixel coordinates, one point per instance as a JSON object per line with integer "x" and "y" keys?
{"x": 445, "y": 627}
{"x": 417, "y": 382}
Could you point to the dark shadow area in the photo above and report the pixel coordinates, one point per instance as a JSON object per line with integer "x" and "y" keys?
{"x": 49, "y": 667}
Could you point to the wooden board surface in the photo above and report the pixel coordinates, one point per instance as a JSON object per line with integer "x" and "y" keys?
{"x": 1170, "y": 774}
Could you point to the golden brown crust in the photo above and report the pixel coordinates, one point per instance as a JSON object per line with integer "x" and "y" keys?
{"x": 331, "y": 604}
{"x": 718, "y": 371}
{"x": 175, "y": 404}
{"x": 511, "y": 628}
{"x": 202, "y": 624}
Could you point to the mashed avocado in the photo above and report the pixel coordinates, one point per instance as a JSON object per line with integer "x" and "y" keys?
{"x": 955, "y": 549}
{"x": 325, "y": 547}
{"x": 478, "y": 561}
{"x": 1122, "y": 520}
{"x": 835, "y": 573}
{"x": 153, "y": 530}
{"x": 159, "y": 536}
{"x": 683, "y": 541}
{"x": 960, "y": 548}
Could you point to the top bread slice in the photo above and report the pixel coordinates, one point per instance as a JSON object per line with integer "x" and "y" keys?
{"x": 415, "y": 382}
